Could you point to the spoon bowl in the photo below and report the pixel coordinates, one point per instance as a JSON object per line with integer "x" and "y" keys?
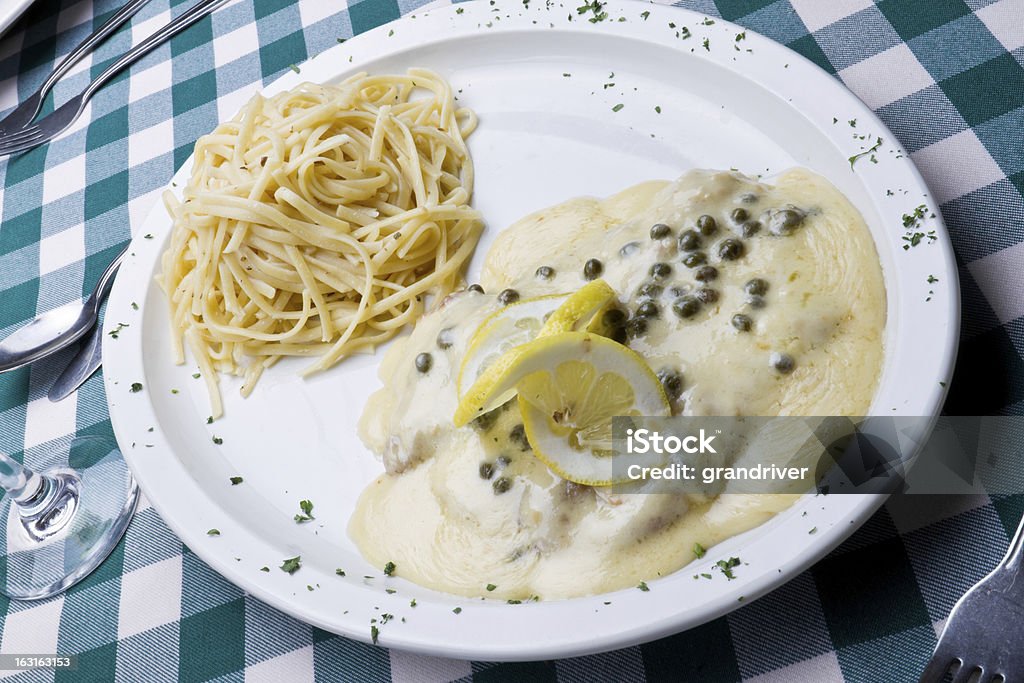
{"x": 57, "y": 329}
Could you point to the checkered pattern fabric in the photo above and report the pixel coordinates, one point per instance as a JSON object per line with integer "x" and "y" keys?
{"x": 947, "y": 76}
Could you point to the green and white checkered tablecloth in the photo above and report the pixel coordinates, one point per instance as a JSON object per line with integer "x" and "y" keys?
{"x": 946, "y": 75}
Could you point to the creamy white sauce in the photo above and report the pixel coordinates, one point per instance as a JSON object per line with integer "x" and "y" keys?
{"x": 440, "y": 520}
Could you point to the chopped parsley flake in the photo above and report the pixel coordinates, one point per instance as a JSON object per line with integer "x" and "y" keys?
{"x": 294, "y": 68}
{"x": 264, "y": 569}
{"x": 209, "y": 420}
{"x": 459, "y": 10}
{"x": 813, "y": 530}
{"x": 339, "y": 571}
{"x": 708, "y": 21}
{"x": 235, "y": 481}
{"x": 135, "y": 306}
{"x": 389, "y": 569}
{"x": 292, "y": 564}
{"x": 457, "y": 610}
{"x": 307, "y": 512}
{"x": 618, "y": 107}
{"x": 412, "y": 603}
{"x": 869, "y": 152}
{"x": 727, "y": 566}
{"x": 390, "y": 591}
{"x": 657, "y": 109}
{"x": 213, "y": 532}
{"x": 643, "y": 586}
{"x": 490, "y": 587}
{"x": 645, "y": 14}
{"x": 374, "y": 633}
{"x": 596, "y": 8}
{"x": 514, "y": 602}
{"x": 117, "y": 330}
{"x": 217, "y": 440}
{"x": 707, "y": 44}
{"x": 742, "y": 35}
{"x": 196, "y": 375}
{"x": 698, "y": 550}
{"x": 135, "y": 388}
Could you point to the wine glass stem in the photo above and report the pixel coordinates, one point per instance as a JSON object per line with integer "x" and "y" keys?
{"x": 20, "y": 483}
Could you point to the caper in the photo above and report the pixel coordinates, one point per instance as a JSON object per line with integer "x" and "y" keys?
{"x": 689, "y": 240}
{"x": 731, "y": 249}
{"x": 739, "y": 214}
{"x": 476, "y": 288}
{"x": 678, "y": 291}
{"x": 648, "y": 309}
{"x": 628, "y": 248}
{"x": 782, "y": 362}
{"x": 649, "y": 290}
{"x": 486, "y": 470}
{"x": 707, "y": 225}
{"x": 504, "y": 461}
{"x": 592, "y": 269}
{"x": 756, "y": 301}
{"x": 660, "y": 271}
{"x": 424, "y": 361}
{"x": 757, "y": 287}
{"x": 741, "y": 322}
{"x": 694, "y": 259}
{"x": 486, "y": 420}
{"x": 686, "y": 306}
{"x": 614, "y": 317}
{"x": 671, "y": 382}
{"x": 444, "y": 339}
{"x": 619, "y": 335}
{"x": 660, "y": 231}
{"x": 750, "y": 228}
{"x": 706, "y": 274}
{"x": 501, "y": 485}
{"x": 706, "y": 295}
{"x": 518, "y": 436}
{"x": 636, "y": 327}
{"x": 785, "y": 221}
{"x": 508, "y": 296}
{"x": 545, "y": 272}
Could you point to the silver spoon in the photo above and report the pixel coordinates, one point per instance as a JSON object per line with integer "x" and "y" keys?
{"x": 56, "y": 329}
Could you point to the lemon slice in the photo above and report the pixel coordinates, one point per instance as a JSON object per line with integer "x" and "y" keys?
{"x": 524, "y": 320}
{"x": 568, "y": 408}
{"x": 570, "y": 386}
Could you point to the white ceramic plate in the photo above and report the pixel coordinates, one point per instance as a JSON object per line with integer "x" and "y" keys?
{"x": 548, "y": 131}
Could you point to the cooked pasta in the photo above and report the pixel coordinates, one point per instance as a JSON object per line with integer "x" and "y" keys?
{"x": 317, "y": 222}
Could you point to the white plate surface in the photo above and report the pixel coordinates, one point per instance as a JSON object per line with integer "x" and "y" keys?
{"x": 544, "y": 137}
{"x": 11, "y": 11}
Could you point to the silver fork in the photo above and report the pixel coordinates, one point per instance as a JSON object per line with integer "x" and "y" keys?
{"x": 55, "y": 123}
{"x": 23, "y": 114}
{"x": 984, "y": 634}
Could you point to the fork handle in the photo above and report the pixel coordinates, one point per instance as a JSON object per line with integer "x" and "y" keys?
{"x": 98, "y": 36}
{"x": 175, "y": 26}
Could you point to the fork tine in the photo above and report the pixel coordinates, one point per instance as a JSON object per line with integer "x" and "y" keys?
{"x": 22, "y": 143}
{"x": 18, "y": 136}
{"x": 937, "y": 667}
{"x": 965, "y": 672}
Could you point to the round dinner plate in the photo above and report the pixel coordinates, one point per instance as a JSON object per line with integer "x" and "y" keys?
{"x": 570, "y": 104}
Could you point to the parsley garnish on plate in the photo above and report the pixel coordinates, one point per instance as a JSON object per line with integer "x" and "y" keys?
{"x": 339, "y": 572}
{"x": 490, "y": 587}
{"x": 389, "y": 569}
{"x": 307, "y": 512}
{"x": 115, "y": 332}
{"x": 596, "y": 8}
{"x": 374, "y": 633}
{"x": 235, "y": 481}
{"x": 618, "y": 107}
{"x": 292, "y": 564}
{"x": 217, "y": 440}
{"x": 135, "y": 388}
{"x": 457, "y": 610}
{"x": 869, "y": 152}
{"x": 213, "y": 532}
{"x": 727, "y": 566}
{"x": 699, "y": 550}
{"x": 643, "y": 586}
{"x": 264, "y": 569}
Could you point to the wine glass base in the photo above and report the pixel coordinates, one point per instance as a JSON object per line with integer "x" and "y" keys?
{"x": 55, "y": 540}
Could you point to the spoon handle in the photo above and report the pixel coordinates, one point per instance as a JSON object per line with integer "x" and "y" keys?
{"x": 105, "y": 281}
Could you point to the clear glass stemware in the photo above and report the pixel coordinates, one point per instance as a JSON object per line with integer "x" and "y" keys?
{"x": 60, "y": 524}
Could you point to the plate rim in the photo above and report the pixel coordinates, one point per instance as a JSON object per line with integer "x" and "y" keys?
{"x": 366, "y": 47}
